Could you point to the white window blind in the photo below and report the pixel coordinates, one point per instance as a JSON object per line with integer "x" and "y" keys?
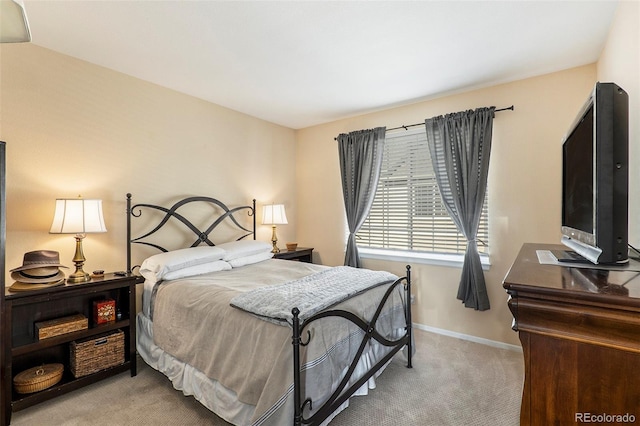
{"x": 407, "y": 212}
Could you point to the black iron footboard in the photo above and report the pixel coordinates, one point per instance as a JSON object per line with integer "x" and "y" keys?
{"x": 342, "y": 393}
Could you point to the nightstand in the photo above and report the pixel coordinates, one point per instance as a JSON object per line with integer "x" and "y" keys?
{"x": 24, "y": 349}
{"x": 302, "y": 254}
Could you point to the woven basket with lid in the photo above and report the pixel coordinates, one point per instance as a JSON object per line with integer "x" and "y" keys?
{"x": 38, "y": 378}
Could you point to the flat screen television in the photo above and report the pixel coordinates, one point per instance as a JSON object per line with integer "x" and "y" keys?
{"x": 595, "y": 178}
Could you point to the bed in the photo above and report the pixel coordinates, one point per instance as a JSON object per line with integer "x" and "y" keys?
{"x": 258, "y": 340}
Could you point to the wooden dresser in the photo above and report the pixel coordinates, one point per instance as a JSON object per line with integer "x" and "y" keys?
{"x": 580, "y": 334}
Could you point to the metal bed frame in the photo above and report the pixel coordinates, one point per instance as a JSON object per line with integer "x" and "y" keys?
{"x": 343, "y": 392}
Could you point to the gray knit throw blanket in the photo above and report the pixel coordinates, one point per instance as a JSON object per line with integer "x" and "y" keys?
{"x": 310, "y": 294}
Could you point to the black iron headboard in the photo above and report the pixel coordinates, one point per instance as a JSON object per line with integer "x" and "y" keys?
{"x": 202, "y": 236}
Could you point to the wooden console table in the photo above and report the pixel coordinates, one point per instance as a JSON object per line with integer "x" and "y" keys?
{"x": 580, "y": 335}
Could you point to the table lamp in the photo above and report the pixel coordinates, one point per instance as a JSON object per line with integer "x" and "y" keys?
{"x": 14, "y": 26}
{"x": 273, "y": 214}
{"x": 78, "y": 216}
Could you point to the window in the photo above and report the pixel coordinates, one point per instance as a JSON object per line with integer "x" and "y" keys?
{"x": 408, "y": 214}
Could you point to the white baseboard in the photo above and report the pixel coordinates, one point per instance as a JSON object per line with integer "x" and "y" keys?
{"x": 468, "y": 337}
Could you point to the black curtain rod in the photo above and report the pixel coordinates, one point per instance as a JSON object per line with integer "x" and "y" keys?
{"x": 511, "y": 108}
{"x": 422, "y": 124}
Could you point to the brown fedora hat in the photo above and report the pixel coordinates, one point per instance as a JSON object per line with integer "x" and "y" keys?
{"x": 38, "y": 259}
{"x": 40, "y": 266}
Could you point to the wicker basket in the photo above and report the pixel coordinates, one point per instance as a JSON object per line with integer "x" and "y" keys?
{"x": 38, "y": 378}
{"x": 95, "y": 354}
{"x": 58, "y": 326}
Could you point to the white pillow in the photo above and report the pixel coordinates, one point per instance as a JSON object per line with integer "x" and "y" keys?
{"x": 205, "y": 268}
{"x": 155, "y": 267}
{"x": 252, "y": 258}
{"x": 242, "y": 248}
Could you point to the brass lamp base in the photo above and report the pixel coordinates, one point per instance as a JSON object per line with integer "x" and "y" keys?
{"x": 79, "y": 276}
{"x": 274, "y": 240}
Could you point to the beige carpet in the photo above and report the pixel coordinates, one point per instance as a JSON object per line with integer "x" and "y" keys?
{"x": 453, "y": 382}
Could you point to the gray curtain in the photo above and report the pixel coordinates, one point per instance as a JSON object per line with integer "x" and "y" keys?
{"x": 460, "y": 145}
{"x": 360, "y": 161}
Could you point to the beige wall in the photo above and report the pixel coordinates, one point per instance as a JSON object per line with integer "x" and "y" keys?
{"x": 75, "y": 128}
{"x": 524, "y": 190}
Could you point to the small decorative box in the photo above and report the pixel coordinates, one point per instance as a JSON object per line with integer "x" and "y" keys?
{"x": 58, "y": 326}
{"x": 104, "y": 311}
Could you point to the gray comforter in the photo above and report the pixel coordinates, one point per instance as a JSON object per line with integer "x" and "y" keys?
{"x": 194, "y": 322}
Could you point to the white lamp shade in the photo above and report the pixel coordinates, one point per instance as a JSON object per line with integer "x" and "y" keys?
{"x": 14, "y": 27}
{"x": 78, "y": 216}
{"x": 273, "y": 214}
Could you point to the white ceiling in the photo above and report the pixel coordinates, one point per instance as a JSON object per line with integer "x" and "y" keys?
{"x": 301, "y": 63}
